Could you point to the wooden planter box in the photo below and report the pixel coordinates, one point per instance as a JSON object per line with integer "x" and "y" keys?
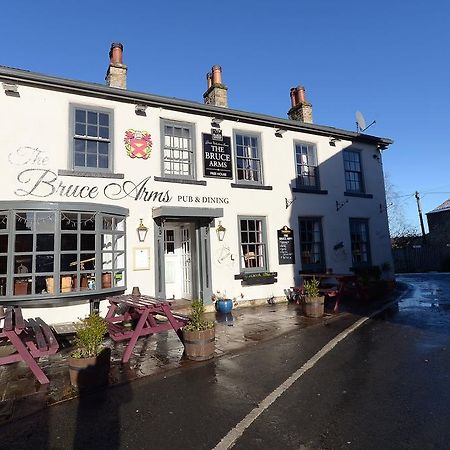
{"x": 254, "y": 281}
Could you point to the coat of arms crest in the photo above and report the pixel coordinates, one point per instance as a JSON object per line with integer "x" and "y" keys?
{"x": 138, "y": 144}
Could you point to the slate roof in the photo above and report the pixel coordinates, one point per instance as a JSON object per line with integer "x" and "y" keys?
{"x": 443, "y": 207}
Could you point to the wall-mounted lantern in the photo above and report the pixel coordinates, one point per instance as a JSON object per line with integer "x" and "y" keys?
{"x": 142, "y": 231}
{"x": 220, "y": 230}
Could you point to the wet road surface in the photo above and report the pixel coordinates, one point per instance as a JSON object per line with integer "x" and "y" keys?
{"x": 385, "y": 386}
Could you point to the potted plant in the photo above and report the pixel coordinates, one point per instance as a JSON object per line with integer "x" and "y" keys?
{"x": 89, "y": 363}
{"x": 222, "y": 303}
{"x": 313, "y": 302}
{"x": 198, "y": 334}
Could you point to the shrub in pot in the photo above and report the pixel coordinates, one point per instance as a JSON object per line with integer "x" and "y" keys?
{"x": 198, "y": 334}
{"x": 89, "y": 363}
{"x": 313, "y": 302}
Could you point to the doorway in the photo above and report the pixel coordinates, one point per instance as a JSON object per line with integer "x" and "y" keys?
{"x": 178, "y": 260}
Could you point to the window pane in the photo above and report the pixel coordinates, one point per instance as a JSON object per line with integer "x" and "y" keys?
{"x": 91, "y": 147}
{"x": 92, "y": 131}
{"x": 69, "y": 221}
{"x": 45, "y": 242}
{"x": 24, "y": 221}
{"x": 22, "y": 286}
{"x": 103, "y": 162}
{"x": 88, "y": 221}
{"x": 24, "y": 243}
{"x": 69, "y": 242}
{"x": 87, "y": 242}
{"x": 44, "y": 263}
{"x": 23, "y": 264}
{"x": 91, "y": 160}
{"x": 103, "y": 119}
{"x": 3, "y": 265}
{"x": 80, "y": 160}
{"x": 69, "y": 262}
{"x": 104, "y": 132}
{"x": 3, "y": 243}
{"x": 80, "y": 115}
{"x": 3, "y": 221}
{"x": 80, "y": 129}
{"x": 92, "y": 117}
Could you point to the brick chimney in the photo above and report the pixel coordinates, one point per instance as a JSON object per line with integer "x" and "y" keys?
{"x": 116, "y": 76}
{"x": 216, "y": 93}
{"x": 301, "y": 109}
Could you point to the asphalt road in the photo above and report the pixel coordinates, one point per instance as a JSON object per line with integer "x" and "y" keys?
{"x": 385, "y": 386}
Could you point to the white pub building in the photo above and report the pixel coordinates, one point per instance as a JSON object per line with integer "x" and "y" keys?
{"x": 104, "y": 189}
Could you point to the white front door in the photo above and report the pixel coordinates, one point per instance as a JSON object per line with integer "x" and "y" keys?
{"x": 177, "y": 261}
{"x": 186, "y": 265}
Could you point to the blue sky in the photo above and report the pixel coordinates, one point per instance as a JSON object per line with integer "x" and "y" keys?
{"x": 387, "y": 59}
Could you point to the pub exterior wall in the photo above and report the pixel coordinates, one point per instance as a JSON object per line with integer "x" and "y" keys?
{"x": 35, "y": 143}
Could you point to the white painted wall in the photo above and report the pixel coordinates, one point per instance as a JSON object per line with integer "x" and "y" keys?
{"x": 39, "y": 119}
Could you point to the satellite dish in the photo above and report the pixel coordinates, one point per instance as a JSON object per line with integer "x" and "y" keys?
{"x": 361, "y": 122}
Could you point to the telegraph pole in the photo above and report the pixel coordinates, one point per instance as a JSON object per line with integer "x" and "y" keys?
{"x": 419, "y": 209}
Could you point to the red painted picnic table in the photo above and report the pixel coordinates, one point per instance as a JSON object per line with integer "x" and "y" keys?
{"x": 332, "y": 285}
{"x": 131, "y": 316}
{"x": 31, "y": 338}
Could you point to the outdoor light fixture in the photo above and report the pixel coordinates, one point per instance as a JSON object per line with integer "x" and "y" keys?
{"x": 279, "y": 133}
{"x": 11, "y": 89}
{"x": 140, "y": 110}
{"x": 220, "y": 230}
{"x": 215, "y": 122}
{"x": 142, "y": 231}
{"x": 333, "y": 141}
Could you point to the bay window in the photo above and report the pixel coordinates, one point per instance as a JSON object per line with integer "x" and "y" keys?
{"x": 55, "y": 250}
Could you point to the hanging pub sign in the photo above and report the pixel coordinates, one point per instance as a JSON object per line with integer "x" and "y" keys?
{"x": 286, "y": 249}
{"x": 217, "y": 155}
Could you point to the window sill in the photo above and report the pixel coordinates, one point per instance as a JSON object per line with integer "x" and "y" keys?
{"x": 63, "y": 299}
{"x": 82, "y": 173}
{"x": 251, "y": 186}
{"x": 358, "y": 194}
{"x": 180, "y": 181}
{"x": 310, "y": 191}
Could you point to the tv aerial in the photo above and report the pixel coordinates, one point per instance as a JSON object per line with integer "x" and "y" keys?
{"x": 361, "y": 122}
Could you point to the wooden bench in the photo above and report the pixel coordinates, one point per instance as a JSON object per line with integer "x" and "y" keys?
{"x": 31, "y": 338}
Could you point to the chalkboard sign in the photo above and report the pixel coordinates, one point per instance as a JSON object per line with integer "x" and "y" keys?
{"x": 217, "y": 155}
{"x": 286, "y": 249}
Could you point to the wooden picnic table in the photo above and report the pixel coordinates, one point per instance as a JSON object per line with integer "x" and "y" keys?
{"x": 146, "y": 315}
{"x": 332, "y": 285}
{"x": 31, "y": 338}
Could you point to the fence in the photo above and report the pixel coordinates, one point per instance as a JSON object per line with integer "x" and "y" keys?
{"x": 424, "y": 258}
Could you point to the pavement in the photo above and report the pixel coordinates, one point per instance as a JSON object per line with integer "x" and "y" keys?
{"x": 22, "y": 395}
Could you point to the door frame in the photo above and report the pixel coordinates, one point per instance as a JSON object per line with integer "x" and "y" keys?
{"x": 200, "y": 256}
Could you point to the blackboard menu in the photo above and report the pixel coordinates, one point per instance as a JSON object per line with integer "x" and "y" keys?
{"x": 286, "y": 249}
{"x": 217, "y": 161}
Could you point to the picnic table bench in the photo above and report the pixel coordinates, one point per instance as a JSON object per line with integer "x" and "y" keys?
{"x": 31, "y": 339}
{"x": 132, "y": 316}
{"x": 332, "y": 285}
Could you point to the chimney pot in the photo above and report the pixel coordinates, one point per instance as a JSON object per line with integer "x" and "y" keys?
{"x": 293, "y": 97}
{"x": 209, "y": 79}
{"x": 116, "y": 53}
{"x": 216, "y": 74}
{"x": 301, "y": 95}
